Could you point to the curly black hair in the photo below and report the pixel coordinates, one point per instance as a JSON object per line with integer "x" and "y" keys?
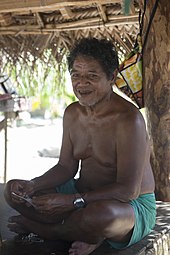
{"x": 102, "y": 50}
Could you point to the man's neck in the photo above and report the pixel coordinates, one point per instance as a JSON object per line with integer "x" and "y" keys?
{"x": 101, "y": 106}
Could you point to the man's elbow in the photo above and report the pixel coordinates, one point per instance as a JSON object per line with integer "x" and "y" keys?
{"x": 130, "y": 195}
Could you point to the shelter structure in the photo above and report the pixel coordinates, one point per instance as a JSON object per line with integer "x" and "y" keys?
{"x": 31, "y": 27}
{"x": 35, "y": 25}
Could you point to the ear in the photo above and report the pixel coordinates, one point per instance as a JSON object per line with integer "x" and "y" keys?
{"x": 114, "y": 76}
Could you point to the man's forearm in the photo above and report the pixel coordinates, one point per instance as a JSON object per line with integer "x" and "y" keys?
{"x": 115, "y": 192}
{"x": 52, "y": 178}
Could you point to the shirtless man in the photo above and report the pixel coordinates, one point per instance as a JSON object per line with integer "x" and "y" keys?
{"x": 113, "y": 199}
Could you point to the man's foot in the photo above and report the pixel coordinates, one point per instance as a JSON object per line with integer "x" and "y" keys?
{"x": 81, "y": 248}
{"x": 24, "y": 235}
{"x": 28, "y": 239}
{"x": 15, "y": 226}
{"x": 21, "y": 224}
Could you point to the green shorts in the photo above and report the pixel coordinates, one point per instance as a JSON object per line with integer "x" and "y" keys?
{"x": 145, "y": 215}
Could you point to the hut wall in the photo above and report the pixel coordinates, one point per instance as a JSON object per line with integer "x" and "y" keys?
{"x": 156, "y": 84}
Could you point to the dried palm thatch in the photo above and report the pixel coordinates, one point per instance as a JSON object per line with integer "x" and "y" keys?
{"x": 31, "y": 27}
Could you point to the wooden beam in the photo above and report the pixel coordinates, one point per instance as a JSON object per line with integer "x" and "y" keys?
{"x": 44, "y": 5}
{"x": 123, "y": 17}
{"x": 102, "y": 12}
{"x": 112, "y": 21}
{"x": 117, "y": 34}
{"x": 39, "y": 19}
{"x": 68, "y": 26}
{"x": 66, "y": 12}
{"x": 6, "y": 149}
{"x": 5, "y": 19}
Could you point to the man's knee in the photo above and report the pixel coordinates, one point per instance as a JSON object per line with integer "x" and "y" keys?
{"x": 99, "y": 218}
{"x": 7, "y": 191}
{"x": 108, "y": 219}
{"x": 7, "y": 188}
{"x": 102, "y": 210}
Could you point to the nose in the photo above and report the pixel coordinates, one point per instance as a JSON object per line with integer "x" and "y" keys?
{"x": 83, "y": 81}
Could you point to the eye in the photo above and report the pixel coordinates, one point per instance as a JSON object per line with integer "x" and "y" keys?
{"x": 93, "y": 76}
{"x": 74, "y": 75}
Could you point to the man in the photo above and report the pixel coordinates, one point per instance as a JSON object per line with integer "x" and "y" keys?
{"x": 113, "y": 197}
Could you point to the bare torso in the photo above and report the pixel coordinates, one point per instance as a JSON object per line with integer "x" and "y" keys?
{"x": 94, "y": 140}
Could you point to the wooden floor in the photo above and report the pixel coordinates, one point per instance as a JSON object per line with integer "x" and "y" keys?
{"x": 11, "y": 247}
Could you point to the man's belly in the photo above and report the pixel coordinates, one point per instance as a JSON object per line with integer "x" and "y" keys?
{"x": 94, "y": 175}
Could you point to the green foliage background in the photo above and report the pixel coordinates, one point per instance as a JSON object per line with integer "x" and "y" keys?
{"x": 43, "y": 79}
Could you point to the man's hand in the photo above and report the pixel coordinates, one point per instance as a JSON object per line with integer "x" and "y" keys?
{"x": 53, "y": 203}
{"x": 22, "y": 188}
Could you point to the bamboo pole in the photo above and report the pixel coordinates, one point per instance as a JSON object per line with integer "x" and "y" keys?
{"x": 68, "y": 26}
{"x": 39, "y": 5}
{"x": 6, "y": 141}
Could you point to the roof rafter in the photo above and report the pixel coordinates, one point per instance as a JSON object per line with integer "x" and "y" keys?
{"x": 66, "y": 12}
{"x": 43, "y": 5}
{"x": 67, "y": 26}
{"x": 39, "y": 19}
{"x": 102, "y": 12}
{"x": 38, "y": 25}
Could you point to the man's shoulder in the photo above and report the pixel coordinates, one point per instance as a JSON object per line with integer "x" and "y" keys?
{"x": 128, "y": 113}
{"x": 132, "y": 121}
{"x": 72, "y": 110}
{"x": 72, "y": 107}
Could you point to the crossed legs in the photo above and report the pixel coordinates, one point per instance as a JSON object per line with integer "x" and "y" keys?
{"x": 86, "y": 227}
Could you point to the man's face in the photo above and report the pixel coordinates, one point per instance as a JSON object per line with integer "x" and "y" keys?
{"x": 90, "y": 83}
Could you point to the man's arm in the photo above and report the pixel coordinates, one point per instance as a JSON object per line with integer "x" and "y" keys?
{"x": 67, "y": 166}
{"x": 132, "y": 146}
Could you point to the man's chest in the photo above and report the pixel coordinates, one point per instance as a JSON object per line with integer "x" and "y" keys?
{"x": 96, "y": 141}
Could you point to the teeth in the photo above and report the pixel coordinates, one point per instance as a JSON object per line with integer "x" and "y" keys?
{"x": 84, "y": 92}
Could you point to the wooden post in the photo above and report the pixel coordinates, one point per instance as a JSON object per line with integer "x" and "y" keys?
{"x": 6, "y": 141}
{"x": 156, "y": 63}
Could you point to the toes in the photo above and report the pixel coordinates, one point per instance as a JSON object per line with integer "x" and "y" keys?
{"x": 15, "y": 225}
{"x": 16, "y": 228}
{"x": 15, "y": 219}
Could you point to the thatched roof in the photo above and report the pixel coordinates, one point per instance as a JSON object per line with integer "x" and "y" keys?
{"x": 35, "y": 25}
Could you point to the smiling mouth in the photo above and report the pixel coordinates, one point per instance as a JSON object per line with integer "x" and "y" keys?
{"x": 84, "y": 93}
